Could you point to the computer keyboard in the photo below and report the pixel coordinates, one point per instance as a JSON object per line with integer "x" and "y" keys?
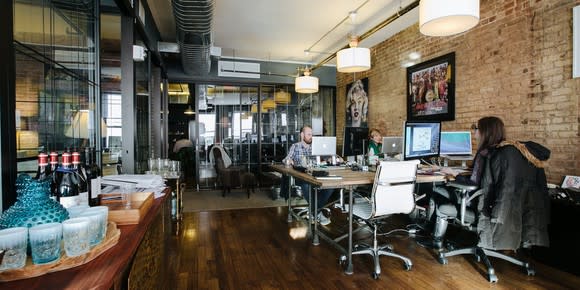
{"x": 332, "y": 167}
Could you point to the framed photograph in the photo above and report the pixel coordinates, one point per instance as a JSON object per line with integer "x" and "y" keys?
{"x": 357, "y": 103}
{"x": 431, "y": 89}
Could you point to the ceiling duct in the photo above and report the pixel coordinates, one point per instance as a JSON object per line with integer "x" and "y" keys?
{"x": 193, "y": 26}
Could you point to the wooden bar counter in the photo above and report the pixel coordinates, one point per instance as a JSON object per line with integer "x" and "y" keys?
{"x": 136, "y": 262}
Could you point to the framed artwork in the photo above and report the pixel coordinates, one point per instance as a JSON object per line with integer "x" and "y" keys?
{"x": 431, "y": 89}
{"x": 357, "y": 103}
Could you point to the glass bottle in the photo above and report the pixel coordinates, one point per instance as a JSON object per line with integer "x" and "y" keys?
{"x": 53, "y": 161}
{"x": 43, "y": 172}
{"x": 67, "y": 189}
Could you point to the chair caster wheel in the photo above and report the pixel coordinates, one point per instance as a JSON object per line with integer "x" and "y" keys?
{"x": 376, "y": 275}
{"x": 408, "y": 266}
{"x": 530, "y": 271}
{"x": 492, "y": 278}
{"x": 442, "y": 260}
{"x": 342, "y": 260}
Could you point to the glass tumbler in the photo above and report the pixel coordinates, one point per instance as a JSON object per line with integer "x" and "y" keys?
{"x": 75, "y": 233}
{"x": 45, "y": 242}
{"x": 98, "y": 223}
{"x": 13, "y": 241}
{"x": 127, "y": 191}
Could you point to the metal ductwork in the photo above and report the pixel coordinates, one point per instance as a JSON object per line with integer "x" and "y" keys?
{"x": 193, "y": 27}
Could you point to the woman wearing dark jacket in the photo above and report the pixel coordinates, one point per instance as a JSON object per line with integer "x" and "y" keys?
{"x": 513, "y": 210}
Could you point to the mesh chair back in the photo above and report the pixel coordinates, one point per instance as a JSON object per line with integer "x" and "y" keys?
{"x": 394, "y": 187}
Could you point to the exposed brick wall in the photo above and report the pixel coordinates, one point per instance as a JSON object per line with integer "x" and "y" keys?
{"x": 515, "y": 64}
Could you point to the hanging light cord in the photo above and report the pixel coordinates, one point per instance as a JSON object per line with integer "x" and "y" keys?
{"x": 370, "y": 32}
{"x": 337, "y": 25}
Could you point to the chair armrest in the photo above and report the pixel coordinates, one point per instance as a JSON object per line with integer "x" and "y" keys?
{"x": 465, "y": 187}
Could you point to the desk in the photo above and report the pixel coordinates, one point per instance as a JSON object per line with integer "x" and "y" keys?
{"x": 350, "y": 180}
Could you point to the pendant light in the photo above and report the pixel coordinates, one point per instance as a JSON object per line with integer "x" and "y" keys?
{"x": 306, "y": 84}
{"x": 189, "y": 111}
{"x": 354, "y": 58}
{"x": 447, "y": 17}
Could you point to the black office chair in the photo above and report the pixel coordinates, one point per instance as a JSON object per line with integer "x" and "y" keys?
{"x": 509, "y": 212}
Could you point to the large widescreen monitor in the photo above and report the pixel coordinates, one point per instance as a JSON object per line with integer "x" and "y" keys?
{"x": 421, "y": 139}
{"x": 456, "y": 143}
{"x": 323, "y": 146}
{"x": 355, "y": 141}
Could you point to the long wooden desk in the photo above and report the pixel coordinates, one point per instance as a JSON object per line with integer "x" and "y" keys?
{"x": 136, "y": 262}
{"x": 349, "y": 181}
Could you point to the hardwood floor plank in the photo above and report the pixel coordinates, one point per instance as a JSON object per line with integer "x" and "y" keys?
{"x": 258, "y": 249}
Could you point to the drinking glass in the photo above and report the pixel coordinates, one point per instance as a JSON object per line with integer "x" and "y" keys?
{"x": 13, "y": 241}
{"x": 127, "y": 191}
{"x": 153, "y": 165}
{"x": 75, "y": 233}
{"x": 76, "y": 210}
{"x": 97, "y": 225}
{"x": 45, "y": 242}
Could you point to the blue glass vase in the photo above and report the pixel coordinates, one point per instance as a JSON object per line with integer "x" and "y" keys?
{"x": 33, "y": 206}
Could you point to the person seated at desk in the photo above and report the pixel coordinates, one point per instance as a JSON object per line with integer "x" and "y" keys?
{"x": 295, "y": 154}
{"x": 491, "y": 159}
{"x": 489, "y": 132}
{"x": 375, "y": 143}
{"x": 375, "y": 148}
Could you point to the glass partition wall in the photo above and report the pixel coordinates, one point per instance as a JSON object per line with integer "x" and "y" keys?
{"x": 56, "y": 85}
{"x": 256, "y": 125}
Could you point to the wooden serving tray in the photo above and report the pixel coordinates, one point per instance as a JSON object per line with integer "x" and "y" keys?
{"x": 65, "y": 262}
{"x": 121, "y": 215}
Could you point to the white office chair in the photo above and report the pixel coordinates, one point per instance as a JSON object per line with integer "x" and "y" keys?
{"x": 393, "y": 193}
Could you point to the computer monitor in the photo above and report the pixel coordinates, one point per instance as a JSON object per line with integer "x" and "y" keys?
{"x": 355, "y": 141}
{"x": 422, "y": 139}
{"x": 392, "y": 145}
{"x": 456, "y": 143}
{"x": 323, "y": 146}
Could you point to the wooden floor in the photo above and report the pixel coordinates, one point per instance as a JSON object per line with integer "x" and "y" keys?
{"x": 259, "y": 249}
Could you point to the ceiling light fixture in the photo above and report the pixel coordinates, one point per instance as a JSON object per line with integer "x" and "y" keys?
{"x": 354, "y": 58}
{"x": 268, "y": 104}
{"x": 447, "y": 17}
{"x": 306, "y": 84}
{"x": 282, "y": 97}
{"x": 189, "y": 111}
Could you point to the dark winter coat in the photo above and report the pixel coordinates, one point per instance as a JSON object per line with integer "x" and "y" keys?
{"x": 514, "y": 208}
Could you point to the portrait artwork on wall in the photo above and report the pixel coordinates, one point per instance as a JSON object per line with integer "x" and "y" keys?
{"x": 357, "y": 103}
{"x": 431, "y": 89}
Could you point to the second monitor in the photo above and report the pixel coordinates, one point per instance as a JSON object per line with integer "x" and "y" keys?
{"x": 323, "y": 146}
{"x": 392, "y": 145}
{"x": 422, "y": 139}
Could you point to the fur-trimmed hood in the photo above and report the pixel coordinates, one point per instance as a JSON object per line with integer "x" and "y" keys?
{"x": 534, "y": 152}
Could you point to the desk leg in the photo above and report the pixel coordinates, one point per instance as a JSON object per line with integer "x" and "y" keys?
{"x": 178, "y": 193}
{"x": 349, "y": 269}
{"x": 290, "y": 182}
{"x": 313, "y": 216}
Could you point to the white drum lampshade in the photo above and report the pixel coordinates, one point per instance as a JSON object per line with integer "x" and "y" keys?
{"x": 447, "y": 17}
{"x": 306, "y": 84}
{"x": 353, "y": 59}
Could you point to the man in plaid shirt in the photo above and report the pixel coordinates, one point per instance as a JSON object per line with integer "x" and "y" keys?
{"x": 297, "y": 154}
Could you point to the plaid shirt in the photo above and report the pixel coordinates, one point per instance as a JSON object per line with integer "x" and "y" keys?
{"x": 297, "y": 150}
